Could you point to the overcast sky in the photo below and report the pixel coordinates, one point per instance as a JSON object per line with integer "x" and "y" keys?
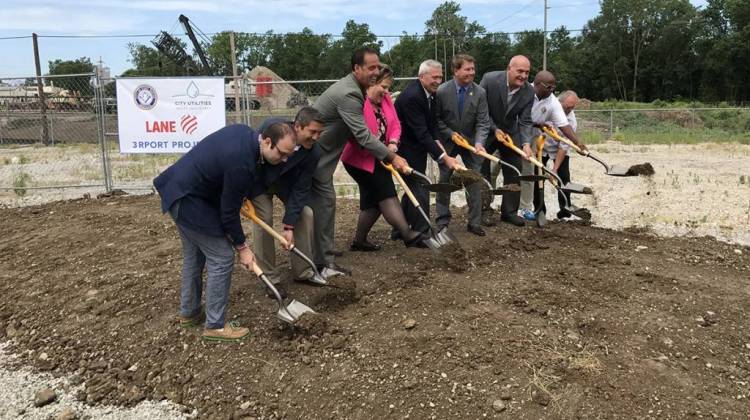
{"x": 117, "y": 17}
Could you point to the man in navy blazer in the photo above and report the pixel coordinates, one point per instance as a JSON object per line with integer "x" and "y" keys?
{"x": 417, "y": 111}
{"x": 291, "y": 182}
{"x": 203, "y": 192}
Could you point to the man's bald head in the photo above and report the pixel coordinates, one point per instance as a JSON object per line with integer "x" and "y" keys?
{"x": 544, "y": 84}
{"x": 518, "y": 71}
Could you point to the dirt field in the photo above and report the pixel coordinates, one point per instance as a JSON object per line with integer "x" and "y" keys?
{"x": 572, "y": 321}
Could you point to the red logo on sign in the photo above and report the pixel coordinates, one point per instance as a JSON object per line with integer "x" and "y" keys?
{"x": 189, "y": 123}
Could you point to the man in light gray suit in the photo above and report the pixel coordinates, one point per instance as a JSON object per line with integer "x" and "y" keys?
{"x": 462, "y": 108}
{"x": 510, "y": 98}
{"x": 341, "y": 106}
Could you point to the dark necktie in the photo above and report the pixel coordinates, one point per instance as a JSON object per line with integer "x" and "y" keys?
{"x": 461, "y": 94}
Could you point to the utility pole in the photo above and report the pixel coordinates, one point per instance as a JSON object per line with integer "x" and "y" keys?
{"x": 544, "y": 54}
{"x": 235, "y": 83}
{"x": 40, "y": 92}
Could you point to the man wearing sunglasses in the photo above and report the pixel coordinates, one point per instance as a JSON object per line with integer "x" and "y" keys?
{"x": 548, "y": 112}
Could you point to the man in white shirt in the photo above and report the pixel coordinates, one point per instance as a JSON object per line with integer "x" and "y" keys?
{"x": 558, "y": 152}
{"x": 548, "y": 111}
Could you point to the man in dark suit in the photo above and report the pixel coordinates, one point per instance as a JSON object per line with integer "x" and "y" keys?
{"x": 417, "y": 110}
{"x": 510, "y": 98}
{"x": 462, "y": 108}
{"x": 291, "y": 183}
{"x": 203, "y": 192}
{"x": 342, "y": 107}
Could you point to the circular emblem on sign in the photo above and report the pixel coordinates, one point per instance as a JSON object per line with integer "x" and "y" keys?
{"x": 145, "y": 97}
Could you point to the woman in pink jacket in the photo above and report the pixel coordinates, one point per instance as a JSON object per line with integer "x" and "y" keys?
{"x": 377, "y": 194}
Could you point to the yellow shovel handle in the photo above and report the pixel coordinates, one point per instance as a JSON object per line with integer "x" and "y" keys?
{"x": 508, "y": 142}
{"x": 462, "y": 142}
{"x": 554, "y": 135}
{"x": 248, "y": 211}
{"x": 401, "y": 181}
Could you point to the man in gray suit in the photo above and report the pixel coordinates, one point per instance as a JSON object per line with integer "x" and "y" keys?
{"x": 341, "y": 106}
{"x": 462, "y": 108}
{"x": 510, "y": 98}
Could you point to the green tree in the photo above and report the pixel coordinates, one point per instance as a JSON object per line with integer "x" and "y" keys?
{"x": 251, "y": 50}
{"x": 450, "y": 32}
{"x": 338, "y": 55}
{"x": 148, "y": 61}
{"x": 297, "y": 56}
{"x": 76, "y": 85}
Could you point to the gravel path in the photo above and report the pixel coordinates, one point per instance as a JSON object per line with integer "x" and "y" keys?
{"x": 18, "y": 394}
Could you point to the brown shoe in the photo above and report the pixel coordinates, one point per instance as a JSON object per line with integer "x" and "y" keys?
{"x": 193, "y": 321}
{"x": 231, "y": 333}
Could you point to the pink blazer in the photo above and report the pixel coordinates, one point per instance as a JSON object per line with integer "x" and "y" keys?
{"x": 356, "y": 155}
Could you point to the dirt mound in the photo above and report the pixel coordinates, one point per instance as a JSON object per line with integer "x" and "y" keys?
{"x": 644, "y": 169}
{"x": 569, "y": 321}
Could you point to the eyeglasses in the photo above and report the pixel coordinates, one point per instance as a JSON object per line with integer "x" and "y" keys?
{"x": 548, "y": 86}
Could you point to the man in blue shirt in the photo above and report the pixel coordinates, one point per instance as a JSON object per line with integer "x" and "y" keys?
{"x": 203, "y": 191}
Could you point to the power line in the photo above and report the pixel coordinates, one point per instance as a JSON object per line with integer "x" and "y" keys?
{"x": 524, "y": 7}
{"x": 265, "y": 34}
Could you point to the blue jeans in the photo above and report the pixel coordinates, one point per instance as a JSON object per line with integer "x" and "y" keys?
{"x": 216, "y": 254}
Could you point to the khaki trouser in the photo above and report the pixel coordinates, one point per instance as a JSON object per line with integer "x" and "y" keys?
{"x": 527, "y": 188}
{"x": 263, "y": 243}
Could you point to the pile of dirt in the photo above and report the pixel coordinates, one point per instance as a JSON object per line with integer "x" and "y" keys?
{"x": 644, "y": 169}
{"x": 569, "y": 321}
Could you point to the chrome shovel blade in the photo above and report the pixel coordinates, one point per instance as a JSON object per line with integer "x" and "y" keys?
{"x": 292, "y": 312}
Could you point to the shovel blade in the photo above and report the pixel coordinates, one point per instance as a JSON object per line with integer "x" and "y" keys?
{"x": 575, "y": 188}
{"x": 442, "y": 188}
{"x": 532, "y": 178}
{"x": 617, "y": 170}
{"x": 292, "y": 312}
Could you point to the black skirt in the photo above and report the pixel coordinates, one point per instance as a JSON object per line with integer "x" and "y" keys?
{"x": 373, "y": 187}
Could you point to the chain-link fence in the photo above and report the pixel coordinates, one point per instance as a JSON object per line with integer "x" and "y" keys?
{"x": 665, "y": 125}
{"x": 50, "y": 133}
{"x": 69, "y": 139}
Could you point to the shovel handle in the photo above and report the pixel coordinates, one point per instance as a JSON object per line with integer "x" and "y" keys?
{"x": 505, "y": 140}
{"x": 248, "y": 211}
{"x": 462, "y": 142}
{"x": 539, "y": 151}
{"x": 561, "y": 139}
{"x": 401, "y": 181}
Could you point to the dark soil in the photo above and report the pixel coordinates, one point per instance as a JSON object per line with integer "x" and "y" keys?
{"x": 644, "y": 169}
{"x": 570, "y": 321}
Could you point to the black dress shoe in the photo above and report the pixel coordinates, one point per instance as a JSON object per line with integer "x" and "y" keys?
{"x": 564, "y": 214}
{"x": 476, "y": 229}
{"x": 417, "y": 241}
{"x": 364, "y": 246}
{"x": 513, "y": 219}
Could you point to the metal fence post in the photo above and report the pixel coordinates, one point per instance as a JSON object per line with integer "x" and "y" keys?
{"x": 99, "y": 110}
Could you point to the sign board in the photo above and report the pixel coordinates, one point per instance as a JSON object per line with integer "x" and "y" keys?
{"x": 168, "y": 115}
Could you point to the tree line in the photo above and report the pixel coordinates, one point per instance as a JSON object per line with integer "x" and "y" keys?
{"x": 633, "y": 50}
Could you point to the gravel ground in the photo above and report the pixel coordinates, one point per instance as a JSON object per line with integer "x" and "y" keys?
{"x": 18, "y": 386}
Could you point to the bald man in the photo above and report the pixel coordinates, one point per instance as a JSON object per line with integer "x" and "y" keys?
{"x": 510, "y": 98}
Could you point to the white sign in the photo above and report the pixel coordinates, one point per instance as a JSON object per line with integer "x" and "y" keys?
{"x": 168, "y": 115}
